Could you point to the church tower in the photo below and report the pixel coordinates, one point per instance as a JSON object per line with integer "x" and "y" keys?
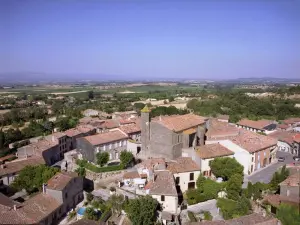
{"x": 145, "y": 132}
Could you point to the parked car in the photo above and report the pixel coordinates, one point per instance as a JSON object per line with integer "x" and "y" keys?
{"x": 281, "y": 159}
{"x": 296, "y": 158}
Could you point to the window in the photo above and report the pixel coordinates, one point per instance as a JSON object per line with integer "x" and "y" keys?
{"x": 124, "y": 142}
{"x": 120, "y": 144}
{"x": 66, "y": 195}
{"x": 177, "y": 180}
{"x": 104, "y": 147}
{"x": 191, "y": 176}
{"x": 162, "y": 198}
{"x": 288, "y": 193}
{"x": 264, "y": 153}
{"x": 110, "y": 146}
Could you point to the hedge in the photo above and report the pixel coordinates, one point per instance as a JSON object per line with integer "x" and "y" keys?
{"x": 96, "y": 169}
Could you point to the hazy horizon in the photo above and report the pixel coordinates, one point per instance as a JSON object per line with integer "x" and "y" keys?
{"x": 150, "y": 39}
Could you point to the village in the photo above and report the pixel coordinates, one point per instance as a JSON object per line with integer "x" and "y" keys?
{"x": 183, "y": 168}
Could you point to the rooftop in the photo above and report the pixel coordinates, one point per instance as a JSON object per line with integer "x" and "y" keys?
{"x": 284, "y": 136}
{"x": 61, "y": 180}
{"x": 130, "y": 128}
{"x": 163, "y": 184}
{"x": 180, "y": 122}
{"x": 152, "y": 163}
{"x": 107, "y": 137}
{"x": 219, "y": 130}
{"x": 87, "y": 222}
{"x": 259, "y": 124}
{"x": 212, "y": 151}
{"x": 253, "y": 142}
{"x": 17, "y": 165}
{"x": 292, "y": 120}
{"x": 182, "y": 165}
{"x": 131, "y": 175}
{"x": 292, "y": 180}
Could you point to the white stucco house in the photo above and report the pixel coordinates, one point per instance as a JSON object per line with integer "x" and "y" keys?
{"x": 90, "y": 112}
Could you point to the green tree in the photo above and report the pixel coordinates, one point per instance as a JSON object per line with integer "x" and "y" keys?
{"x": 288, "y": 215}
{"x": 207, "y": 216}
{"x": 116, "y": 203}
{"x": 102, "y": 158}
{"x": 226, "y": 167}
{"x": 90, "y": 214}
{"x": 234, "y": 186}
{"x": 126, "y": 157}
{"x": 171, "y": 99}
{"x": 142, "y": 210}
{"x": 81, "y": 171}
{"x": 91, "y": 95}
{"x": 278, "y": 177}
{"x": 31, "y": 178}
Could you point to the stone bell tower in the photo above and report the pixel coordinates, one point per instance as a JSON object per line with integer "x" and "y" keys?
{"x": 145, "y": 132}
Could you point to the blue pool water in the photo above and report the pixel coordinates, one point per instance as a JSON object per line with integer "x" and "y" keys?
{"x": 81, "y": 211}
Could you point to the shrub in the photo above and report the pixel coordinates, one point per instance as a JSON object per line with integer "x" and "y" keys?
{"x": 89, "y": 197}
{"x": 207, "y": 215}
{"x": 96, "y": 169}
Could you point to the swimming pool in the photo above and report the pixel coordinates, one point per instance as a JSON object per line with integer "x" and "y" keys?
{"x": 81, "y": 211}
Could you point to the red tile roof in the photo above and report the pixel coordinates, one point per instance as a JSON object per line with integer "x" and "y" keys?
{"x": 107, "y": 137}
{"x": 17, "y": 165}
{"x": 259, "y": 124}
{"x": 283, "y": 126}
{"x": 130, "y": 128}
{"x": 131, "y": 175}
{"x": 253, "y": 142}
{"x": 291, "y": 120}
{"x": 212, "y": 151}
{"x": 219, "y": 130}
{"x": 292, "y": 180}
{"x": 180, "y": 122}
{"x": 182, "y": 164}
{"x": 151, "y": 163}
{"x": 163, "y": 184}
{"x": 61, "y": 180}
{"x": 283, "y": 136}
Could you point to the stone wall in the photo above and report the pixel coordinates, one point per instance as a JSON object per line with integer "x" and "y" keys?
{"x": 97, "y": 176}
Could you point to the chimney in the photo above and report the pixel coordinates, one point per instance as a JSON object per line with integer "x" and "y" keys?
{"x": 44, "y": 188}
{"x": 15, "y": 207}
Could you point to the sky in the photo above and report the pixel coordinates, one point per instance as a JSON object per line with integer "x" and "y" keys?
{"x": 199, "y": 39}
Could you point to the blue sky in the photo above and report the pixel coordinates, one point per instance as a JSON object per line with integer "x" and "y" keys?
{"x": 211, "y": 39}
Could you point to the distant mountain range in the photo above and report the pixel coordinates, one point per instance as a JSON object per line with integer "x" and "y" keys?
{"x": 40, "y": 77}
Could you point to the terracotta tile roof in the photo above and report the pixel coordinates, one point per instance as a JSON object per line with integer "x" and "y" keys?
{"x": 259, "y": 124}
{"x": 87, "y": 222}
{"x": 297, "y": 138}
{"x": 212, "y": 151}
{"x": 61, "y": 180}
{"x": 10, "y": 216}
{"x": 110, "y": 124}
{"x": 219, "y": 130}
{"x": 284, "y": 136}
{"x": 58, "y": 134}
{"x": 182, "y": 165}
{"x": 7, "y": 202}
{"x": 276, "y": 200}
{"x": 152, "y": 163}
{"x": 107, "y": 137}
{"x": 292, "y": 180}
{"x": 78, "y": 130}
{"x": 130, "y": 128}
{"x": 163, "y": 184}
{"x": 39, "y": 206}
{"x": 180, "y": 122}
{"x": 252, "y": 219}
{"x": 17, "y": 165}
{"x": 131, "y": 175}
{"x": 291, "y": 120}
{"x": 253, "y": 142}
{"x": 283, "y": 126}
{"x": 125, "y": 121}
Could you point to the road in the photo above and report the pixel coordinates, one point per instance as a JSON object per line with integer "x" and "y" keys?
{"x": 264, "y": 175}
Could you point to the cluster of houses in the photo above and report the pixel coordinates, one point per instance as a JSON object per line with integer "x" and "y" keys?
{"x": 174, "y": 150}
{"x": 61, "y": 194}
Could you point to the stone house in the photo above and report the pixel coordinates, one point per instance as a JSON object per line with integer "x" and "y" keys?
{"x": 112, "y": 142}
{"x": 62, "y": 193}
{"x": 79, "y": 131}
{"x": 162, "y": 188}
{"x": 166, "y": 136}
{"x": 185, "y": 172}
{"x": 133, "y": 131}
{"x": 262, "y": 126}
